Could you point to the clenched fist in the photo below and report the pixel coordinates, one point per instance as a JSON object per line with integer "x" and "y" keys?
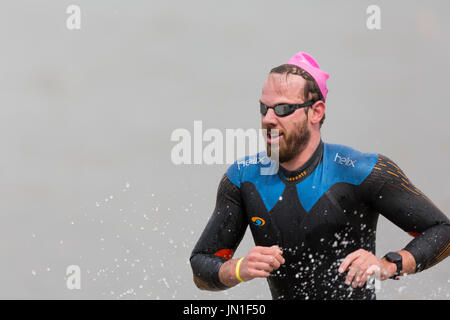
{"x": 260, "y": 262}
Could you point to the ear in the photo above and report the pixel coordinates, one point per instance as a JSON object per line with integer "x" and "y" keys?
{"x": 316, "y": 112}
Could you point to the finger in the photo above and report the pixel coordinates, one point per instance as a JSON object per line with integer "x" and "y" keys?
{"x": 374, "y": 270}
{"x": 278, "y": 254}
{"x": 262, "y": 266}
{"x": 273, "y": 250}
{"x": 363, "y": 275}
{"x": 350, "y": 275}
{"x": 254, "y": 273}
{"x": 271, "y": 260}
{"x": 348, "y": 261}
{"x": 276, "y": 247}
{"x": 358, "y": 276}
{"x": 363, "y": 279}
{"x": 280, "y": 259}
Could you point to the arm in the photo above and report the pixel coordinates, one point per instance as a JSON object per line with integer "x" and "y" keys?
{"x": 395, "y": 197}
{"x": 211, "y": 260}
{"x": 389, "y": 191}
{"x": 220, "y": 238}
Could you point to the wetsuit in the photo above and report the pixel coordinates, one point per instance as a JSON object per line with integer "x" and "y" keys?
{"x": 318, "y": 215}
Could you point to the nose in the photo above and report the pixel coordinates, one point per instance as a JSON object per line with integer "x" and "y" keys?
{"x": 270, "y": 119}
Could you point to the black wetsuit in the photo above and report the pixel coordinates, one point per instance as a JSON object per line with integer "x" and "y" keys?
{"x": 318, "y": 215}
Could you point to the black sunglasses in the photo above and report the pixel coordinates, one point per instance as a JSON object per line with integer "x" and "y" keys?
{"x": 284, "y": 109}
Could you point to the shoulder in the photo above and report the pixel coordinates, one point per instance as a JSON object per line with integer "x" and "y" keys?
{"x": 248, "y": 168}
{"x": 348, "y": 163}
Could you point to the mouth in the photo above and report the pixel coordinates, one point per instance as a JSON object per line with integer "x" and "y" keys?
{"x": 273, "y": 137}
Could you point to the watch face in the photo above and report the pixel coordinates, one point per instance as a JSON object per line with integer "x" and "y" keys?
{"x": 393, "y": 257}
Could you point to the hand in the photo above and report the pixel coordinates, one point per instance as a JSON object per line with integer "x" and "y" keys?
{"x": 362, "y": 264}
{"x": 260, "y": 262}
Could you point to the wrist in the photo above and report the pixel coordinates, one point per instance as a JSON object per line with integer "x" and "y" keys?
{"x": 227, "y": 273}
{"x": 395, "y": 264}
{"x": 238, "y": 269}
{"x": 390, "y": 268}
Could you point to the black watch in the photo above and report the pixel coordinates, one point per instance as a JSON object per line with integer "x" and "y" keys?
{"x": 396, "y": 258}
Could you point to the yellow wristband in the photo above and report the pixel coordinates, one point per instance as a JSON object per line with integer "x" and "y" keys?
{"x": 237, "y": 270}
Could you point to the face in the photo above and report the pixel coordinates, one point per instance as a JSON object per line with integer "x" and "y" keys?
{"x": 294, "y": 133}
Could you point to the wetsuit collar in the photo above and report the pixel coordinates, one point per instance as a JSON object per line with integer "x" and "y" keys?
{"x": 308, "y": 167}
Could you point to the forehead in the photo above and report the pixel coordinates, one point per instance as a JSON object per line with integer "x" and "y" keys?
{"x": 288, "y": 86}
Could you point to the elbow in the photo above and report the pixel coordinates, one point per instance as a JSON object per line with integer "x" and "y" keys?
{"x": 203, "y": 284}
{"x": 197, "y": 282}
{"x": 431, "y": 246}
{"x": 205, "y": 273}
{"x": 196, "y": 274}
{"x": 200, "y": 284}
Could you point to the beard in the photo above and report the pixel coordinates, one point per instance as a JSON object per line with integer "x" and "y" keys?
{"x": 291, "y": 144}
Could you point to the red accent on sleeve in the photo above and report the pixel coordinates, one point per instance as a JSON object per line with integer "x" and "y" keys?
{"x": 225, "y": 253}
{"x": 414, "y": 234}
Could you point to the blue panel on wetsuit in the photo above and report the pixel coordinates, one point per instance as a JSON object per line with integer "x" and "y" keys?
{"x": 340, "y": 164}
{"x": 257, "y": 170}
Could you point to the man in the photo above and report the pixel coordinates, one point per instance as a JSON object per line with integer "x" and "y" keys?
{"x": 314, "y": 221}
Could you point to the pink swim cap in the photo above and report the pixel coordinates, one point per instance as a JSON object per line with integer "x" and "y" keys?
{"x": 307, "y": 63}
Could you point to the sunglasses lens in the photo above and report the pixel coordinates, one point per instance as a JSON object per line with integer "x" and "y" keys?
{"x": 283, "y": 110}
{"x": 263, "y": 109}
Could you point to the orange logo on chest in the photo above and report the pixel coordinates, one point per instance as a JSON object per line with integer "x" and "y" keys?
{"x": 257, "y": 221}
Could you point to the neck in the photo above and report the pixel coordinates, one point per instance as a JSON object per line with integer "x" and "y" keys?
{"x": 301, "y": 158}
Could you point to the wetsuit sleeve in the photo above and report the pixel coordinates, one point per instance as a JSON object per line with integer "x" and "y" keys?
{"x": 391, "y": 193}
{"x": 220, "y": 238}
